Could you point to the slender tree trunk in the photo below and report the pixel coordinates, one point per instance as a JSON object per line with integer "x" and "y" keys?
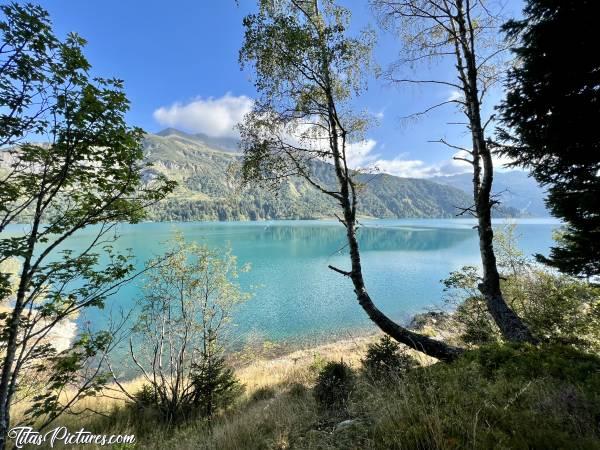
{"x": 8, "y": 371}
{"x": 9, "y": 375}
{"x": 511, "y": 325}
{"x": 425, "y": 344}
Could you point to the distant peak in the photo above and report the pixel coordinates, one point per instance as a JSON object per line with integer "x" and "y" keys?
{"x": 172, "y": 131}
{"x": 227, "y": 144}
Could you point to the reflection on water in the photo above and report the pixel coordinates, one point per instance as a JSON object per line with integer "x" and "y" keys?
{"x": 324, "y": 238}
{"x": 296, "y": 295}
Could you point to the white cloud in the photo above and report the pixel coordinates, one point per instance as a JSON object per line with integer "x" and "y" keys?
{"x": 359, "y": 154}
{"x": 216, "y": 117}
{"x": 416, "y": 168}
{"x": 454, "y": 95}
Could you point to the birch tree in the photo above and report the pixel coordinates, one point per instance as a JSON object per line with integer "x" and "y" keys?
{"x": 307, "y": 72}
{"x": 464, "y": 33}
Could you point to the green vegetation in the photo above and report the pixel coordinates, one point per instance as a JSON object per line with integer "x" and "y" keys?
{"x": 515, "y": 365}
{"x": 495, "y": 397}
{"x": 209, "y": 189}
{"x": 550, "y": 113}
{"x": 386, "y": 361}
{"x": 334, "y": 385}
{"x": 557, "y": 308}
{"x": 180, "y": 334}
{"x": 87, "y": 174}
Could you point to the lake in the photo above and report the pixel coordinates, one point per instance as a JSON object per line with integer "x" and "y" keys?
{"x": 296, "y": 296}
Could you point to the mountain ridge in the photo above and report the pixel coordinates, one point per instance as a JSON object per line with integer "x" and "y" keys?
{"x": 514, "y": 188}
{"x": 209, "y": 188}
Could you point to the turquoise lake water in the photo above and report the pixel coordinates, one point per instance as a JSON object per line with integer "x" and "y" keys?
{"x": 296, "y": 296}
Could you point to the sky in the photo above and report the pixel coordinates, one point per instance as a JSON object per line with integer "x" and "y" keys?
{"x": 179, "y": 61}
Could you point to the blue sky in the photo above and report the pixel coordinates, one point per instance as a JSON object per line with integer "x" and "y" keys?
{"x": 179, "y": 63}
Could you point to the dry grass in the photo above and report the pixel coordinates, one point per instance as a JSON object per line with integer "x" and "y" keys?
{"x": 494, "y": 398}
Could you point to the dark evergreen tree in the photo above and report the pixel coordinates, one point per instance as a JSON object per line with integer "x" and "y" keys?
{"x": 551, "y": 114}
{"x": 214, "y": 384}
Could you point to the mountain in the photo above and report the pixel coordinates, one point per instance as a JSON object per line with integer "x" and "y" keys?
{"x": 208, "y": 177}
{"x": 208, "y": 171}
{"x": 225, "y": 144}
{"x": 516, "y": 190}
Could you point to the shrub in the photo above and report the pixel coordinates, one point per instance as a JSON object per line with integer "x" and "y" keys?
{"x": 334, "y": 385}
{"x": 499, "y": 396}
{"x": 262, "y": 393}
{"x": 556, "y": 308}
{"x": 384, "y": 360}
{"x": 297, "y": 390}
{"x": 561, "y": 362}
{"x": 146, "y": 396}
{"x": 215, "y": 385}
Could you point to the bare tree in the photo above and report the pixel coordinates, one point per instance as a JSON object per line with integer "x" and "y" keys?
{"x": 464, "y": 31}
{"x": 307, "y": 72}
{"x": 179, "y": 336}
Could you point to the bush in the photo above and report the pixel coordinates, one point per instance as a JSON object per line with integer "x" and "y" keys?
{"x": 384, "y": 360}
{"x": 297, "y": 390}
{"x": 334, "y": 385}
{"x": 561, "y": 362}
{"x": 215, "y": 385}
{"x": 262, "y": 393}
{"x": 496, "y": 397}
{"x": 146, "y": 396}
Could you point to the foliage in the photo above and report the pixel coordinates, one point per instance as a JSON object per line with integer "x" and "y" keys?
{"x": 461, "y": 292}
{"x": 556, "y": 307}
{"x": 87, "y": 173}
{"x": 181, "y": 330}
{"x": 215, "y": 385}
{"x": 384, "y": 361}
{"x": 307, "y": 70}
{"x": 335, "y": 383}
{"x": 9, "y": 268}
{"x": 500, "y": 396}
{"x": 496, "y": 397}
{"x": 551, "y": 110}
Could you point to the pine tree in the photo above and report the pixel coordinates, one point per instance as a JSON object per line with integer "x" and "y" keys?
{"x": 552, "y": 109}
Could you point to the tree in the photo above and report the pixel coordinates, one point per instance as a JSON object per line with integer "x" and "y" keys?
{"x": 551, "y": 112}
{"x": 307, "y": 72}
{"x": 87, "y": 174}
{"x": 556, "y": 307}
{"x": 462, "y": 30}
{"x": 179, "y": 336}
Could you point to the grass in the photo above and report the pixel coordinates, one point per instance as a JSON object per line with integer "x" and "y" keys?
{"x": 497, "y": 397}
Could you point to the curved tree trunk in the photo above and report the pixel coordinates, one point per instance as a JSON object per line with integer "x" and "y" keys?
{"x": 419, "y": 342}
{"x": 348, "y": 201}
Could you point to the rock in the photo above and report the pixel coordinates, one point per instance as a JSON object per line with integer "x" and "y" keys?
{"x": 431, "y": 319}
{"x": 345, "y": 424}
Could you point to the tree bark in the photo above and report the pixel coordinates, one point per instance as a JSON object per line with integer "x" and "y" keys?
{"x": 348, "y": 201}
{"x": 419, "y": 342}
{"x": 511, "y": 325}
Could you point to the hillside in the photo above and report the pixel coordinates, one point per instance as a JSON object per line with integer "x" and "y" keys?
{"x": 516, "y": 189}
{"x": 207, "y": 172}
{"x": 209, "y": 187}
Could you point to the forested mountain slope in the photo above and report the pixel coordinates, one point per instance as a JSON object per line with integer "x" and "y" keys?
{"x": 209, "y": 188}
